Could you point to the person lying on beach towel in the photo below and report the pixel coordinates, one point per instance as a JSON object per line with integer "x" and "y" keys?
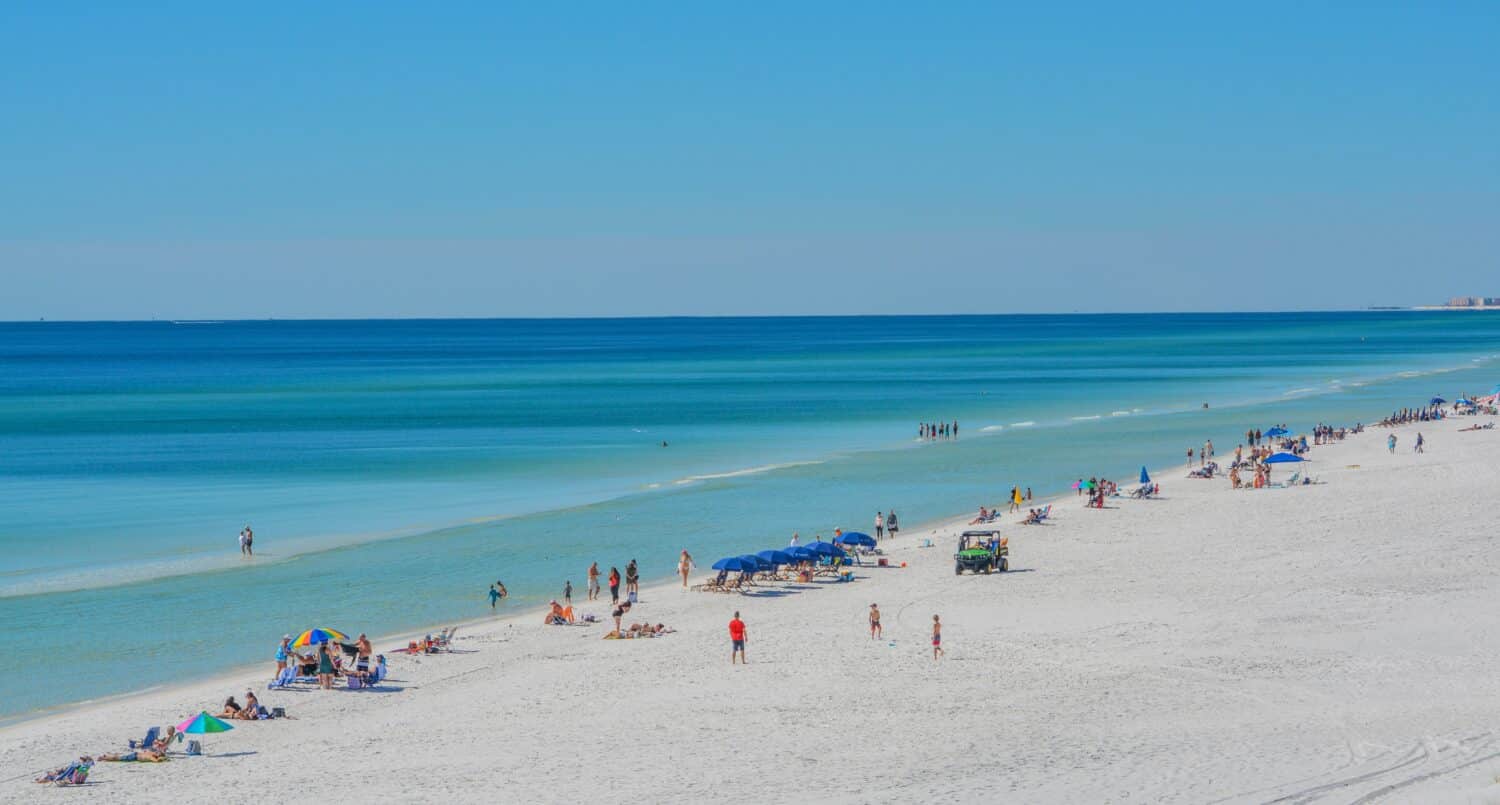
{"x": 639, "y": 630}
{"x": 135, "y": 756}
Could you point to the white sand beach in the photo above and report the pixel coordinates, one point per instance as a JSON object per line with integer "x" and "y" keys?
{"x": 1335, "y": 642}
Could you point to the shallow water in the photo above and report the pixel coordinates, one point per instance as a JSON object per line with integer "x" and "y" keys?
{"x": 393, "y": 469}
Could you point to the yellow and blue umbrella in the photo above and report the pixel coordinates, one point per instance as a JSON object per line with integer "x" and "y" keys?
{"x": 312, "y": 637}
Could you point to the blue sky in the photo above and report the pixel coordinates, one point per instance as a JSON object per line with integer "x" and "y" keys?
{"x": 537, "y": 159}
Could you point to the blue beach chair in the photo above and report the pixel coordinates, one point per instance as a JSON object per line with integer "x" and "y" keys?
{"x": 287, "y": 676}
{"x": 150, "y": 739}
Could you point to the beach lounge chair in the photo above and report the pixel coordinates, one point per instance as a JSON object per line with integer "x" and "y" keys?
{"x": 74, "y": 774}
{"x": 287, "y": 676}
{"x": 148, "y": 741}
{"x": 1044, "y": 513}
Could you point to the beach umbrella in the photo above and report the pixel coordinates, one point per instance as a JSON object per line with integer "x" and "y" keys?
{"x": 824, "y": 548}
{"x": 801, "y": 553}
{"x": 203, "y": 723}
{"x": 1464, "y": 401}
{"x": 317, "y": 635}
{"x": 1437, "y": 401}
{"x": 1284, "y": 458}
{"x": 735, "y": 563}
{"x": 1145, "y": 479}
{"x": 857, "y": 538}
{"x": 1277, "y": 432}
{"x": 753, "y": 562}
{"x": 1078, "y": 484}
{"x": 777, "y": 557}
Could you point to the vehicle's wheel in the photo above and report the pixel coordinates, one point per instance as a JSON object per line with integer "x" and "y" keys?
{"x": 1004, "y": 565}
{"x": 986, "y": 570}
{"x": 958, "y": 570}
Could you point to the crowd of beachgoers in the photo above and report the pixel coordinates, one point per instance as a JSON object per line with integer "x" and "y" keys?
{"x": 937, "y": 430}
{"x": 327, "y": 659}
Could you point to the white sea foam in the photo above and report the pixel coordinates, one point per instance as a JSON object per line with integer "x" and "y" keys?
{"x": 1086, "y": 418}
{"x": 989, "y": 428}
{"x": 1028, "y": 423}
{"x": 1119, "y": 413}
{"x": 712, "y": 476}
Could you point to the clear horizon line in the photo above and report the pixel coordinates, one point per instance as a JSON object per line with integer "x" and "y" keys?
{"x": 668, "y": 316}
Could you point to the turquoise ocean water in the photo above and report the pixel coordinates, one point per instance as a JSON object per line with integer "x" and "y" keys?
{"x": 393, "y": 469}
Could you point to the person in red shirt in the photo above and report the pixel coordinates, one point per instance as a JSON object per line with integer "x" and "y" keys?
{"x": 614, "y": 585}
{"x": 737, "y": 639}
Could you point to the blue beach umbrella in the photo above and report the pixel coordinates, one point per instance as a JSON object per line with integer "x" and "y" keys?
{"x": 753, "y": 562}
{"x": 776, "y": 557}
{"x": 1284, "y": 458}
{"x": 733, "y": 563}
{"x": 827, "y": 549}
{"x": 1277, "y": 432}
{"x": 1437, "y": 401}
{"x": 857, "y": 538}
{"x": 1145, "y": 479}
{"x": 801, "y": 553}
{"x": 1465, "y": 401}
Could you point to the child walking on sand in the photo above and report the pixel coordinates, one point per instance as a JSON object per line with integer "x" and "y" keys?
{"x": 875, "y": 632}
{"x": 937, "y": 637}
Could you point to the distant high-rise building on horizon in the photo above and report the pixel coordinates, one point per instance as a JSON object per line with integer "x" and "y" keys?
{"x": 1474, "y": 301}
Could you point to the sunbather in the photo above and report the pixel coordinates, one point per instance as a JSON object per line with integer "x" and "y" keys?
{"x": 251, "y": 710}
{"x": 135, "y": 756}
{"x": 555, "y": 617}
{"x": 231, "y": 709}
{"x": 66, "y": 772}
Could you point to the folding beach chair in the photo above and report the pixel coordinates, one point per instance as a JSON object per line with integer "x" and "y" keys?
{"x": 287, "y": 676}
{"x": 146, "y": 742}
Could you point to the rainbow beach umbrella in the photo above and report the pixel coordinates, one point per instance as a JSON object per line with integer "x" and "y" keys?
{"x": 314, "y": 636}
{"x": 203, "y": 723}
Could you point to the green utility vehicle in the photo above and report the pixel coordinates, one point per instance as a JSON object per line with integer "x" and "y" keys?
{"x": 981, "y": 552}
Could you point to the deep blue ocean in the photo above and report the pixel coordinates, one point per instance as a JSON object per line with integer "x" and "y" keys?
{"x": 392, "y": 469}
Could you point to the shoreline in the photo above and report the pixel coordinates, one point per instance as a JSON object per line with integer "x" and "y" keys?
{"x": 399, "y": 639}
{"x": 1084, "y": 604}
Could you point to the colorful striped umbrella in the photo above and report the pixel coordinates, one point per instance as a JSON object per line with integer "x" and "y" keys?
{"x": 312, "y": 637}
{"x": 203, "y": 722}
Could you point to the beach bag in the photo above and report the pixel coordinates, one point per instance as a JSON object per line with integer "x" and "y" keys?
{"x": 632, "y": 597}
{"x": 195, "y": 747}
{"x": 278, "y": 712}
